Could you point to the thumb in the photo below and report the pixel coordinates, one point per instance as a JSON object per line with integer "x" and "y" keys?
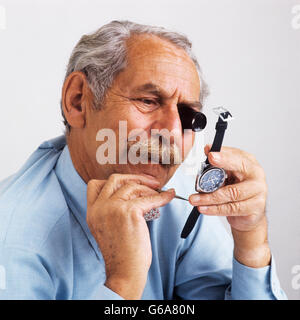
{"x": 94, "y": 188}
{"x": 207, "y": 149}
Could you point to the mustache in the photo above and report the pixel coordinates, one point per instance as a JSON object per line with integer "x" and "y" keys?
{"x": 157, "y": 149}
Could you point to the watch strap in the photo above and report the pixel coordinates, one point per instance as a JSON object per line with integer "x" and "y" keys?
{"x": 221, "y": 126}
{"x": 190, "y": 223}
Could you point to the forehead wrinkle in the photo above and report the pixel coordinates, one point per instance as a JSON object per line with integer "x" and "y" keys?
{"x": 155, "y": 89}
{"x": 144, "y": 46}
{"x": 171, "y": 72}
{"x": 149, "y": 56}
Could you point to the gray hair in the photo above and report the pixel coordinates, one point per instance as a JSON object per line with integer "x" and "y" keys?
{"x": 102, "y": 55}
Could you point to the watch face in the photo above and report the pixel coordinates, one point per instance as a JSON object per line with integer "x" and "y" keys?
{"x": 211, "y": 180}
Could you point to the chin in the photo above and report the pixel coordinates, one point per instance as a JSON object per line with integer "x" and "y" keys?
{"x": 161, "y": 173}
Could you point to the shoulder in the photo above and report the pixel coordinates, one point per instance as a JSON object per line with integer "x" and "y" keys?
{"x": 32, "y": 202}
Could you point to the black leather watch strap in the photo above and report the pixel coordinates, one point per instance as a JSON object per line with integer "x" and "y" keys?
{"x": 221, "y": 126}
{"x": 190, "y": 223}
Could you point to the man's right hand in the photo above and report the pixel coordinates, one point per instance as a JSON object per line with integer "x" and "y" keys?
{"x": 115, "y": 210}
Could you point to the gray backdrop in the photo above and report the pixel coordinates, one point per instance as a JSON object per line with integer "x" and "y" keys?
{"x": 248, "y": 50}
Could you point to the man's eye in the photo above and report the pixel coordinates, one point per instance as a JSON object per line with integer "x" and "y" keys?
{"x": 148, "y": 102}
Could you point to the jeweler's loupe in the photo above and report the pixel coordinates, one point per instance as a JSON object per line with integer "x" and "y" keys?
{"x": 191, "y": 119}
{"x": 199, "y": 122}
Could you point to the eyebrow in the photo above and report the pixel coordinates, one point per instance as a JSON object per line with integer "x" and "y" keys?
{"x": 155, "y": 90}
{"x": 149, "y": 87}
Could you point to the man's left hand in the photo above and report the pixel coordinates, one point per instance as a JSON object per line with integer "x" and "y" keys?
{"x": 243, "y": 201}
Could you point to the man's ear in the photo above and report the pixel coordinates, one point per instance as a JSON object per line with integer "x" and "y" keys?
{"x": 75, "y": 99}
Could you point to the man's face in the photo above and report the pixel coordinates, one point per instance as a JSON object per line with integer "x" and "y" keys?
{"x": 159, "y": 78}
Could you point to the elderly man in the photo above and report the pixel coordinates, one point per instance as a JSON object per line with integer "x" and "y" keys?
{"x": 73, "y": 225}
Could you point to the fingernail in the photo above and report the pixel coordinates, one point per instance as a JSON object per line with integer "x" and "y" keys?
{"x": 171, "y": 190}
{"x": 202, "y": 208}
{"x": 216, "y": 156}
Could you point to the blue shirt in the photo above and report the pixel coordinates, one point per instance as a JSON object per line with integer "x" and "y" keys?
{"x": 48, "y": 252}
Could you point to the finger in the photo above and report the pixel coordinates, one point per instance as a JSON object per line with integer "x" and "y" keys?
{"x": 253, "y": 206}
{"x": 132, "y": 190}
{"x": 230, "y": 193}
{"x": 236, "y": 160}
{"x": 115, "y": 181}
{"x": 207, "y": 149}
{"x": 155, "y": 201}
{"x": 94, "y": 188}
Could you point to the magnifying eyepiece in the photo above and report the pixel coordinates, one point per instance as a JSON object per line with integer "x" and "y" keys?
{"x": 191, "y": 119}
{"x": 199, "y": 122}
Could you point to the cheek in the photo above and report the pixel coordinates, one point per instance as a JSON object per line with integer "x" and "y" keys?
{"x": 137, "y": 122}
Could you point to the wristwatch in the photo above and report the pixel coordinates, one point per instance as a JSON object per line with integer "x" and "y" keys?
{"x": 209, "y": 178}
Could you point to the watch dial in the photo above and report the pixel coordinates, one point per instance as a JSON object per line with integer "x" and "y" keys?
{"x": 212, "y": 180}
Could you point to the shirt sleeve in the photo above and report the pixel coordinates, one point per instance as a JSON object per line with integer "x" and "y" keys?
{"x": 206, "y": 269}
{"x": 254, "y": 283}
{"x": 26, "y": 275}
{"x": 104, "y": 293}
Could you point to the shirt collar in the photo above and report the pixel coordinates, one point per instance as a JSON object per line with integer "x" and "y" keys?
{"x": 74, "y": 186}
{"x": 75, "y": 192}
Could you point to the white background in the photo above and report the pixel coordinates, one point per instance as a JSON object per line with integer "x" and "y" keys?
{"x": 248, "y": 50}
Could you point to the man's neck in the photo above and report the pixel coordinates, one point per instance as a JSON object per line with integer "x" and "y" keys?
{"x": 79, "y": 156}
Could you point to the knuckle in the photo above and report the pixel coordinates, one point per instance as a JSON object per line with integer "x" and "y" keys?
{"x": 260, "y": 171}
{"x": 224, "y": 209}
{"x": 135, "y": 212}
{"x": 261, "y": 187}
{"x": 214, "y": 195}
{"x": 260, "y": 204}
{"x": 131, "y": 184}
{"x": 136, "y": 215}
{"x": 264, "y": 189}
{"x": 234, "y": 207}
{"x": 138, "y": 192}
{"x": 114, "y": 177}
{"x": 141, "y": 190}
{"x": 263, "y": 174}
{"x": 91, "y": 183}
{"x": 234, "y": 193}
{"x": 250, "y": 156}
{"x": 243, "y": 166}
